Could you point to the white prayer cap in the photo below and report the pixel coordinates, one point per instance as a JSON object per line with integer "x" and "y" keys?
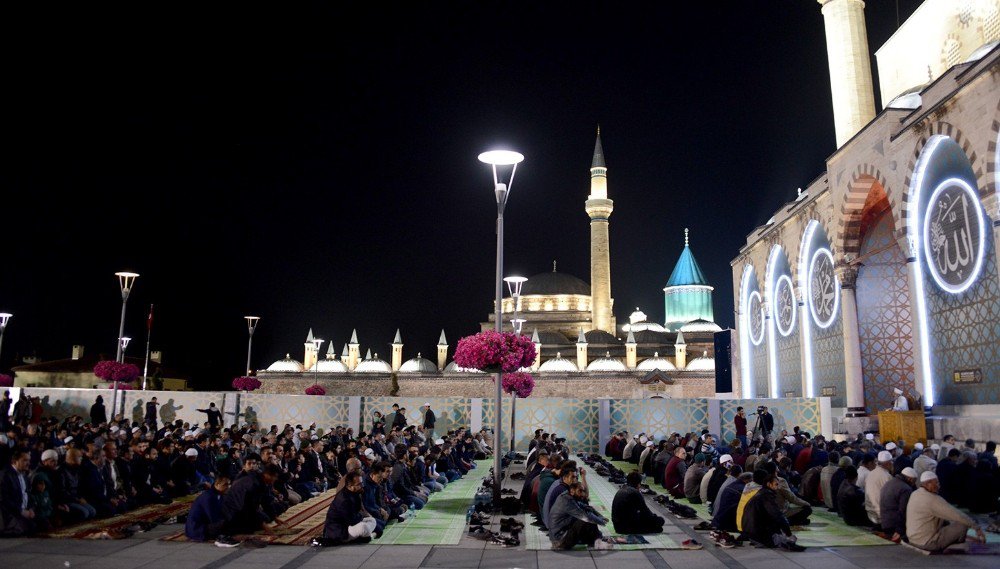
{"x": 928, "y": 475}
{"x": 68, "y": 440}
{"x": 191, "y": 452}
{"x": 427, "y": 404}
{"x": 115, "y": 428}
{"x": 369, "y": 452}
{"x": 643, "y": 440}
{"x": 650, "y": 443}
{"x": 725, "y": 458}
{"x": 935, "y": 446}
{"x": 869, "y": 436}
{"x": 897, "y": 391}
{"x": 890, "y": 446}
{"x": 50, "y": 455}
{"x": 314, "y": 438}
{"x": 909, "y": 472}
{"x": 135, "y": 430}
{"x": 439, "y": 441}
{"x": 919, "y": 446}
{"x": 885, "y": 456}
{"x": 790, "y": 439}
{"x": 198, "y": 431}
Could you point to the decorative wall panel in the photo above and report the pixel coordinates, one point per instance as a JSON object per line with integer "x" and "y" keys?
{"x": 789, "y": 365}
{"x": 659, "y": 417}
{"x": 451, "y": 412}
{"x": 758, "y": 369}
{"x": 788, "y": 413}
{"x": 828, "y": 362}
{"x": 268, "y": 409}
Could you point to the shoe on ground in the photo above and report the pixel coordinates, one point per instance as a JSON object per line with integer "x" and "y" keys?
{"x": 603, "y": 544}
{"x": 226, "y": 541}
{"x": 703, "y": 526}
{"x": 726, "y": 543}
{"x": 690, "y": 544}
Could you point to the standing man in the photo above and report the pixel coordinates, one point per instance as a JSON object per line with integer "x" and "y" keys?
{"x": 429, "y": 420}
{"x": 766, "y": 424}
{"x": 151, "y": 414}
{"x": 740, "y": 420}
{"x": 98, "y": 414}
{"x": 214, "y": 416}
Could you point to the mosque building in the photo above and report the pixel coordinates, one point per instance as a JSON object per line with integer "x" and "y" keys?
{"x": 881, "y": 273}
{"x": 572, "y": 325}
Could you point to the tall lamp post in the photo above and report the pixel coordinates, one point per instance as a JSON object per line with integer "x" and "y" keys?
{"x": 126, "y": 281}
{"x": 251, "y": 326}
{"x": 4, "y": 318}
{"x": 499, "y": 158}
{"x": 514, "y": 285}
{"x": 317, "y": 342}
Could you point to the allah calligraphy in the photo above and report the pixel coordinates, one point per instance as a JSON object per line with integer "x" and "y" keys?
{"x": 823, "y": 289}
{"x": 755, "y": 318}
{"x": 953, "y": 235}
{"x": 784, "y": 305}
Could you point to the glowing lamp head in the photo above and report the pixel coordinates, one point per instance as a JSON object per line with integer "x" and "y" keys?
{"x": 514, "y": 285}
{"x": 125, "y": 341}
{"x": 501, "y": 157}
{"x": 4, "y": 317}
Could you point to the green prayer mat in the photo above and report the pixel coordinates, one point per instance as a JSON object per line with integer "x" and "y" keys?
{"x": 441, "y": 522}
{"x": 602, "y": 494}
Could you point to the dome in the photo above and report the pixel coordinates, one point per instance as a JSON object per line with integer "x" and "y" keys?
{"x": 454, "y": 368}
{"x": 981, "y": 51}
{"x": 704, "y": 363}
{"x": 656, "y": 363}
{"x": 554, "y": 283}
{"x": 558, "y": 363}
{"x": 547, "y": 337}
{"x": 637, "y": 316}
{"x": 700, "y": 325}
{"x": 329, "y": 365}
{"x": 606, "y": 363}
{"x": 373, "y": 365}
{"x": 600, "y": 337}
{"x": 643, "y": 326}
{"x": 287, "y": 364}
{"x": 418, "y": 365}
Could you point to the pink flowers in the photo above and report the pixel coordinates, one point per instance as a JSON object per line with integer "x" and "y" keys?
{"x": 315, "y": 390}
{"x": 491, "y": 350}
{"x": 115, "y": 371}
{"x": 122, "y": 386}
{"x": 246, "y": 383}
{"x": 519, "y": 383}
{"x": 6, "y": 380}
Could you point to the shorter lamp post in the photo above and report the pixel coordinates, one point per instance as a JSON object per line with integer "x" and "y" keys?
{"x": 251, "y": 326}
{"x": 317, "y": 342}
{"x": 122, "y": 345}
{"x": 4, "y": 318}
{"x": 514, "y": 285}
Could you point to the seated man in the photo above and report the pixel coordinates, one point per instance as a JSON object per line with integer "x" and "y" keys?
{"x": 17, "y": 517}
{"x": 205, "y": 520}
{"x": 932, "y": 523}
{"x": 763, "y": 521}
{"x": 629, "y": 512}
{"x": 674, "y": 471}
{"x": 693, "y": 477}
{"x": 246, "y": 506}
{"x": 728, "y": 500}
{"x": 574, "y": 521}
{"x": 346, "y": 520}
{"x": 892, "y": 504}
{"x": 851, "y": 500}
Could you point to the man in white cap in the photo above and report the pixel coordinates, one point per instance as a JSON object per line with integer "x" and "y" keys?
{"x": 932, "y": 523}
{"x": 646, "y": 458}
{"x": 899, "y": 403}
{"x": 430, "y": 419}
{"x": 927, "y": 462}
{"x": 874, "y": 483}
{"x": 630, "y": 448}
{"x": 714, "y": 478}
{"x": 892, "y": 504}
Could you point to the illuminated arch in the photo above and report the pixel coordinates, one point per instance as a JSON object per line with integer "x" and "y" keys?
{"x": 864, "y": 180}
{"x": 746, "y": 280}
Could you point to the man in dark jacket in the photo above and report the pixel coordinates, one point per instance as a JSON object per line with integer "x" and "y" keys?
{"x": 98, "y": 414}
{"x": 245, "y": 507}
{"x": 214, "y": 416}
{"x": 150, "y": 418}
{"x": 629, "y": 511}
{"x": 205, "y": 521}
{"x": 851, "y": 500}
{"x": 892, "y": 502}
{"x": 5, "y": 404}
{"x": 16, "y": 516}
{"x": 346, "y": 520}
{"x": 574, "y": 521}
{"x": 763, "y": 521}
{"x": 93, "y": 487}
{"x": 727, "y": 503}
{"x": 430, "y": 419}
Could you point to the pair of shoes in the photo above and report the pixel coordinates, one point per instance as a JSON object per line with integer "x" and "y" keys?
{"x": 511, "y": 521}
{"x": 505, "y": 540}
{"x": 479, "y": 532}
{"x": 726, "y": 543}
{"x": 703, "y": 526}
{"x": 690, "y": 544}
{"x": 226, "y": 541}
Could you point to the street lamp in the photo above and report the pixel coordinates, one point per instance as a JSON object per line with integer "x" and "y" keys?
{"x": 514, "y": 285}
{"x": 317, "y": 342}
{"x": 251, "y": 326}
{"x": 126, "y": 281}
{"x": 500, "y": 158}
{"x": 4, "y": 318}
{"x": 125, "y": 341}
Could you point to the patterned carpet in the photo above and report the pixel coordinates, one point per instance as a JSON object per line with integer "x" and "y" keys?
{"x": 94, "y": 529}
{"x": 602, "y": 494}
{"x": 442, "y": 521}
{"x": 825, "y": 530}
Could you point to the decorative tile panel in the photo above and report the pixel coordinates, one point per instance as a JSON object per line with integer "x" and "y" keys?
{"x": 788, "y": 413}
{"x": 659, "y": 417}
{"x": 828, "y": 361}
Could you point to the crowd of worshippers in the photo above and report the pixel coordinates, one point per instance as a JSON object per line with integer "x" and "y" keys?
{"x": 60, "y": 472}
{"x": 760, "y": 490}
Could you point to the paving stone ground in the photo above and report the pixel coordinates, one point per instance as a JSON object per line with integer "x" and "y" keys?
{"x": 148, "y": 552}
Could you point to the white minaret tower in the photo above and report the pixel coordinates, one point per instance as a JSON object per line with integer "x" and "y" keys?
{"x": 538, "y": 350}
{"x": 442, "y": 351}
{"x": 581, "y": 351}
{"x": 850, "y": 67}
{"x": 631, "y": 361}
{"x": 397, "y": 351}
{"x": 353, "y": 351}
{"x": 681, "y": 351}
{"x": 599, "y": 208}
{"x": 311, "y": 354}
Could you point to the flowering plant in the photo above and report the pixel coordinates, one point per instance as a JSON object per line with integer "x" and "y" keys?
{"x": 315, "y": 390}
{"x": 519, "y": 383}
{"x": 6, "y": 380}
{"x": 109, "y": 370}
{"x": 246, "y": 383}
{"x": 495, "y": 351}
{"x": 122, "y": 386}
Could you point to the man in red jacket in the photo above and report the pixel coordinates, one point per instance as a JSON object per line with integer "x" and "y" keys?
{"x": 673, "y": 473}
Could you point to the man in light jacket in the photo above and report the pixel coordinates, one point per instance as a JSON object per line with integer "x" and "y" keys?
{"x": 932, "y": 523}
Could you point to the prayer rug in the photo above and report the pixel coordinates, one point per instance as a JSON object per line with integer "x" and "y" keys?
{"x": 441, "y": 522}
{"x": 91, "y": 529}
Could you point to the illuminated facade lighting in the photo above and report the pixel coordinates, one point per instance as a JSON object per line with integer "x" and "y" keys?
{"x": 970, "y": 199}
{"x": 745, "y": 331}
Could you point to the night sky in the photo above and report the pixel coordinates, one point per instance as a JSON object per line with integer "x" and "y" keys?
{"x": 315, "y": 164}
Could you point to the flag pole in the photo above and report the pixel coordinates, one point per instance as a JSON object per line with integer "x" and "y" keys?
{"x": 149, "y": 333}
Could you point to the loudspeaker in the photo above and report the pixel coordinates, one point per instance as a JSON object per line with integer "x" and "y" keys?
{"x": 724, "y": 361}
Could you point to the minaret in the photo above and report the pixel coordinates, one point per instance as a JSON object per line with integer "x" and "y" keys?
{"x": 538, "y": 350}
{"x": 345, "y": 357}
{"x": 354, "y": 351}
{"x": 581, "y": 351}
{"x": 850, "y": 66}
{"x": 311, "y": 354}
{"x": 442, "y": 351}
{"x": 331, "y": 354}
{"x": 681, "y": 351}
{"x": 397, "y": 351}
{"x": 599, "y": 208}
{"x": 630, "y": 355}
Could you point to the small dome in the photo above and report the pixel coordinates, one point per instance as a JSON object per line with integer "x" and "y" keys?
{"x": 600, "y": 337}
{"x": 454, "y": 368}
{"x": 418, "y": 365}
{"x": 700, "y": 325}
{"x": 656, "y": 362}
{"x": 637, "y": 316}
{"x": 553, "y": 284}
{"x": 329, "y": 365}
{"x": 643, "y": 326}
{"x": 373, "y": 365}
{"x": 606, "y": 363}
{"x": 558, "y": 363}
{"x": 704, "y": 363}
{"x": 981, "y": 51}
{"x": 287, "y": 364}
